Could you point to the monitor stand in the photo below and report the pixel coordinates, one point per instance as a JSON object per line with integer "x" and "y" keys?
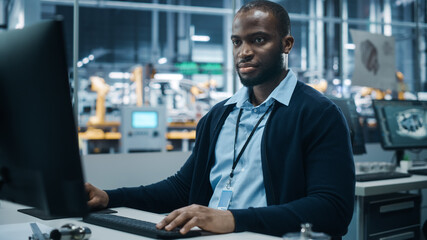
{"x": 399, "y": 156}
{"x": 34, "y": 212}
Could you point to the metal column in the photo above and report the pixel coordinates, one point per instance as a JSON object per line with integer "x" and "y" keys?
{"x": 155, "y": 51}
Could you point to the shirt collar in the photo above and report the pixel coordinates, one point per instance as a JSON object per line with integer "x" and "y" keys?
{"x": 282, "y": 93}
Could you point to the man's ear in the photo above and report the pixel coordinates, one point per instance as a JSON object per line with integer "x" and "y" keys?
{"x": 287, "y": 43}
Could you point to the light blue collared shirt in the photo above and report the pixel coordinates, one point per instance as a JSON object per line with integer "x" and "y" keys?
{"x": 248, "y": 182}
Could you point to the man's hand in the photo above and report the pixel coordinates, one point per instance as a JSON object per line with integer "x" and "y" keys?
{"x": 209, "y": 219}
{"x": 97, "y": 197}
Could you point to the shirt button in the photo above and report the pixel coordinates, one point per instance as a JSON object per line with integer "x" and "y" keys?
{"x": 255, "y": 110}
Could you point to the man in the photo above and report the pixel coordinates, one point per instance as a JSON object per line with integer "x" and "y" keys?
{"x": 273, "y": 156}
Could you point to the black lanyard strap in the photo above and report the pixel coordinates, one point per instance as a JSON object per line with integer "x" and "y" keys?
{"x": 236, "y": 160}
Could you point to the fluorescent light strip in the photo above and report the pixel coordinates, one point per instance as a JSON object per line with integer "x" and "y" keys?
{"x": 200, "y": 38}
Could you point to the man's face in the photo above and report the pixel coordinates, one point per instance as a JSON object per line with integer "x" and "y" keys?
{"x": 257, "y": 47}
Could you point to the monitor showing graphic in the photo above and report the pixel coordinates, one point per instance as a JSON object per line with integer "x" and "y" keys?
{"x": 145, "y": 119}
{"x": 402, "y": 124}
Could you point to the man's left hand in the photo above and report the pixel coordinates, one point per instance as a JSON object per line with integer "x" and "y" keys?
{"x": 209, "y": 219}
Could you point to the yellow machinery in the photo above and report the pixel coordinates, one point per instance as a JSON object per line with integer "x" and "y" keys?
{"x": 137, "y": 78}
{"x": 99, "y": 86}
{"x": 98, "y": 128}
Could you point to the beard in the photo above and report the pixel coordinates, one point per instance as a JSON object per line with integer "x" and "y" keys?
{"x": 267, "y": 74}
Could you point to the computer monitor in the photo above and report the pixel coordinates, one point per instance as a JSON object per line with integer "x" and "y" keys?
{"x": 348, "y": 107}
{"x": 402, "y": 124}
{"x": 39, "y": 155}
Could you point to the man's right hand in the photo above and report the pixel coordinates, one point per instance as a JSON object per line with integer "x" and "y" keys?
{"x": 97, "y": 197}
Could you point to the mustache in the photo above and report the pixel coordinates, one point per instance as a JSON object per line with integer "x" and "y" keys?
{"x": 245, "y": 63}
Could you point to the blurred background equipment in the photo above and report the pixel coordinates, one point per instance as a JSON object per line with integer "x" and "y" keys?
{"x": 99, "y": 131}
{"x": 137, "y": 78}
{"x": 143, "y": 129}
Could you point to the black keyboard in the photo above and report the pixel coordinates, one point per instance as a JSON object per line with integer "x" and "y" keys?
{"x": 364, "y": 177}
{"x": 418, "y": 171}
{"x": 136, "y": 226}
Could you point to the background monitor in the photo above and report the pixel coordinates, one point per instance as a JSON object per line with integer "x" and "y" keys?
{"x": 348, "y": 107}
{"x": 39, "y": 155}
{"x": 402, "y": 124}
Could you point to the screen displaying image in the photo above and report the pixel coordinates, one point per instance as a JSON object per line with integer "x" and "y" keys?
{"x": 411, "y": 123}
{"x": 145, "y": 120}
{"x": 402, "y": 123}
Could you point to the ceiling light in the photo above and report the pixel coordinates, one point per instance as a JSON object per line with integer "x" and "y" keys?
{"x": 162, "y": 60}
{"x": 200, "y": 38}
{"x": 168, "y": 76}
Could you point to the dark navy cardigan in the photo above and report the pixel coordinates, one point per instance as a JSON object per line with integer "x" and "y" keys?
{"x": 307, "y": 166}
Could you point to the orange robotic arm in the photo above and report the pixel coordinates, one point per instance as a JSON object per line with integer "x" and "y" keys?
{"x": 99, "y": 86}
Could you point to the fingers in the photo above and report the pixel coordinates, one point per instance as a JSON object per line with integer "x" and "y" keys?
{"x": 209, "y": 219}
{"x": 187, "y": 217}
{"x": 165, "y": 222}
{"x": 194, "y": 222}
{"x": 89, "y": 187}
{"x": 97, "y": 197}
{"x": 93, "y": 202}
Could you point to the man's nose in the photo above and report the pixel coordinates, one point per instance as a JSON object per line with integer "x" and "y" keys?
{"x": 246, "y": 51}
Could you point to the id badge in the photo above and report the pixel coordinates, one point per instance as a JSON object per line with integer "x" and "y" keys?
{"x": 224, "y": 200}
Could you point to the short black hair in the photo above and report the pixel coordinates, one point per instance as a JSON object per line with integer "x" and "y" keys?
{"x": 278, "y": 11}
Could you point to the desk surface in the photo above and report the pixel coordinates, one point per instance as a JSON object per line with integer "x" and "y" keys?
{"x": 10, "y": 215}
{"x": 391, "y": 185}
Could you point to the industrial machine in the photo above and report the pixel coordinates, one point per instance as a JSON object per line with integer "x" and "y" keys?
{"x": 143, "y": 129}
{"x": 100, "y": 134}
{"x": 137, "y": 78}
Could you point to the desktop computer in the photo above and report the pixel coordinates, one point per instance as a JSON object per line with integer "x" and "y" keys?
{"x": 403, "y": 126}
{"x": 39, "y": 154}
{"x": 40, "y": 163}
{"x": 348, "y": 108}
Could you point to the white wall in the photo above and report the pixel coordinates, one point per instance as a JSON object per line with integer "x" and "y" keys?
{"x": 108, "y": 171}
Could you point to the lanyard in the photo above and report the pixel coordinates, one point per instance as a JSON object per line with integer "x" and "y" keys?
{"x": 236, "y": 160}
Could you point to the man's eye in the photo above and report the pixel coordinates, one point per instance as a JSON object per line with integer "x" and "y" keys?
{"x": 236, "y": 42}
{"x": 259, "y": 40}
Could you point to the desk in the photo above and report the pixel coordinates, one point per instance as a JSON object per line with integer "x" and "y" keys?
{"x": 372, "y": 188}
{"x": 10, "y": 215}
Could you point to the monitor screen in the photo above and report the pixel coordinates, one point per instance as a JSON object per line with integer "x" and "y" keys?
{"x": 145, "y": 119}
{"x": 348, "y": 107}
{"x": 402, "y": 124}
{"x": 39, "y": 155}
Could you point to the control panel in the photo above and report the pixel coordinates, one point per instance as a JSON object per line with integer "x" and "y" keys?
{"x": 143, "y": 129}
